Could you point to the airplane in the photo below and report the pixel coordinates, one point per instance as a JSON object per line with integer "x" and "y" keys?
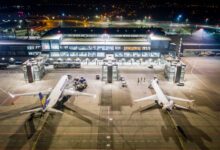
{"x": 51, "y": 96}
{"x": 165, "y": 101}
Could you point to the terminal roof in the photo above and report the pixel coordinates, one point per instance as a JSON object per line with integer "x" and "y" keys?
{"x": 98, "y": 41}
{"x": 52, "y": 37}
{"x": 19, "y": 42}
{"x": 158, "y": 31}
{"x": 161, "y": 38}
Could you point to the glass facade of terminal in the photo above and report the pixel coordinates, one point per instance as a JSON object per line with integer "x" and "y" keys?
{"x": 19, "y": 50}
{"x": 92, "y": 50}
{"x": 102, "y": 54}
{"x": 94, "y": 46}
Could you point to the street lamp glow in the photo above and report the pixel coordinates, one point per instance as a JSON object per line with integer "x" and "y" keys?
{"x": 179, "y": 17}
{"x": 151, "y": 34}
{"x": 202, "y": 34}
{"x": 97, "y": 17}
{"x": 206, "y": 20}
{"x": 121, "y": 17}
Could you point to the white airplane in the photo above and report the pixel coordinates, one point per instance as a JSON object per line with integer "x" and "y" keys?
{"x": 52, "y": 96}
{"x": 165, "y": 101}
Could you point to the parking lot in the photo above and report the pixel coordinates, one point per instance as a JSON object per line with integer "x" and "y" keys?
{"x": 112, "y": 120}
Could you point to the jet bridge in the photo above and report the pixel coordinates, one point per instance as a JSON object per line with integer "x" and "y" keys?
{"x": 174, "y": 71}
{"x": 34, "y": 68}
{"x": 109, "y": 69}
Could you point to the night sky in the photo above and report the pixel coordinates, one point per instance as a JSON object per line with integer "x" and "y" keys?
{"x": 194, "y": 10}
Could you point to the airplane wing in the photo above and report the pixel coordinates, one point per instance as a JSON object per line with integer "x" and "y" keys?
{"x": 71, "y": 92}
{"x": 179, "y": 99}
{"x": 149, "y": 98}
{"x": 45, "y": 92}
{"x": 54, "y": 110}
{"x": 32, "y": 110}
{"x": 181, "y": 107}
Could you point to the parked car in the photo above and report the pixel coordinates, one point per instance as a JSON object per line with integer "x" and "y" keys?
{"x": 151, "y": 66}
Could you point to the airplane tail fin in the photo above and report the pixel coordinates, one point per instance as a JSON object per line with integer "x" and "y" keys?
{"x": 42, "y": 99}
{"x": 41, "y": 96}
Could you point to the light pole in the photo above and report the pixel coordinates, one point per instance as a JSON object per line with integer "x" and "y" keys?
{"x": 180, "y": 46}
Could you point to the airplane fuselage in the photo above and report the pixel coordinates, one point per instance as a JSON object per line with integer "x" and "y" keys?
{"x": 162, "y": 99}
{"x": 165, "y": 101}
{"x": 56, "y": 93}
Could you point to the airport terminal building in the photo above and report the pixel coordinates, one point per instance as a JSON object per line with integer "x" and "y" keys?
{"x": 93, "y": 44}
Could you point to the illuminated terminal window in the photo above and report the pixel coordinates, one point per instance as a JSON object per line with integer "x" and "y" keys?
{"x": 31, "y": 47}
{"x": 37, "y": 47}
{"x": 110, "y": 48}
{"x": 128, "y": 54}
{"x": 136, "y": 54}
{"x": 45, "y": 45}
{"x": 93, "y": 47}
{"x": 146, "y": 48}
{"x": 100, "y": 54}
{"x": 82, "y": 54}
{"x": 119, "y": 54}
{"x": 91, "y": 54}
{"x": 55, "y": 45}
{"x": 33, "y": 53}
{"x": 64, "y": 54}
{"x": 132, "y": 48}
{"x": 84, "y": 47}
{"x": 64, "y": 47}
{"x": 55, "y": 54}
{"x": 73, "y": 47}
{"x": 145, "y": 54}
{"x": 155, "y": 54}
{"x": 101, "y": 48}
{"x": 118, "y": 48}
{"x": 73, "y": 54}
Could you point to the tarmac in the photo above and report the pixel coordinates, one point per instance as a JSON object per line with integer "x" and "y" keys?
{"x": 112, "y": 120}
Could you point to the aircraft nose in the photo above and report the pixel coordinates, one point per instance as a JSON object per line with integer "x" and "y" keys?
{"x": 164, "y": 107}
{"x": 167, "y": 108}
